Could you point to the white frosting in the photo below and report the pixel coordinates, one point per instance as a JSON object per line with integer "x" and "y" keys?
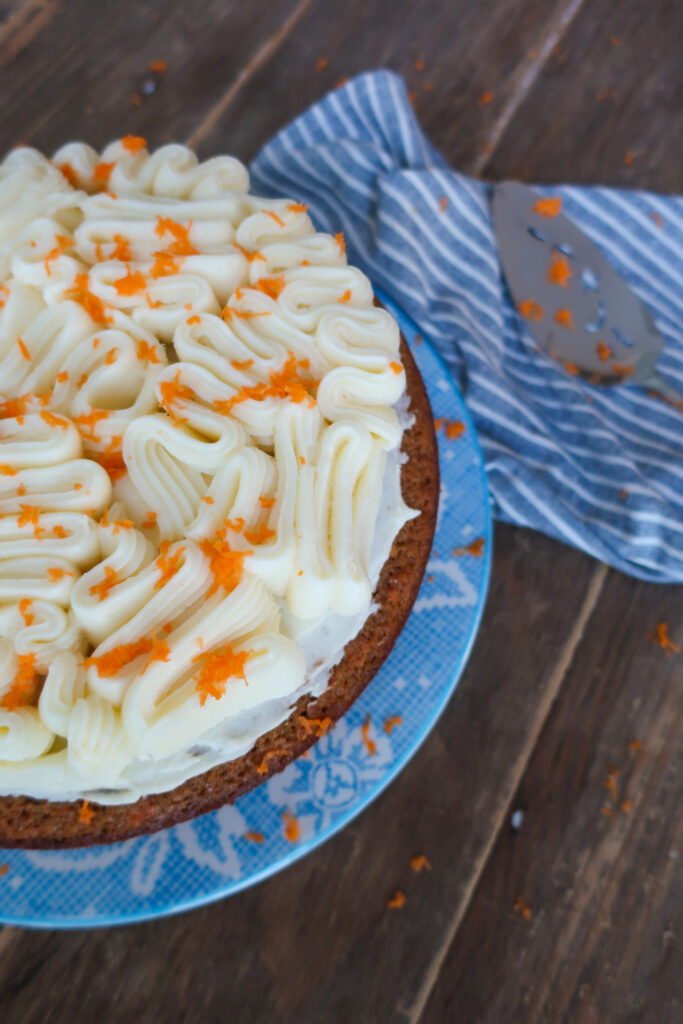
{"x": 201, "y": 417}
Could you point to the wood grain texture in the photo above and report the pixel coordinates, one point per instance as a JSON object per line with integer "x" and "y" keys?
{"x": 77, "y": 75}
{"x": 467, "y": 49}
{"x": 608, "y": 105}
{"x": 598, "y": 856}
{"x": 304, "y": 945}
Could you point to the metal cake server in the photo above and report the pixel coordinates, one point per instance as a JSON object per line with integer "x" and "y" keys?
{"x": 578, "y": 308}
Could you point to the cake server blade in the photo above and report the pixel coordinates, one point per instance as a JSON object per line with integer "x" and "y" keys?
{"x": 578, "y": 308}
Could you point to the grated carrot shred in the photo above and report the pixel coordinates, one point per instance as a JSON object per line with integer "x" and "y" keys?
{"x": 102, "y": 588}
{"x": 259, "y": 534}
{"x": 241, "y": 366}
{"x": 391, "y": 723}
{"x": 168, "y": 565}
{"x": 217, "y": 668}
{"x": 292, "y": 827}
{"x": 22, "y": 684}
{"x": 249, "y": 256}
{"x": 370, "y": 744}
{"x": 146, "y": 351}
{"x": 564, "y": 318}
{"x": 131, "y": 284}
{"x": 530, "y": 310}
{"x": 266, "y": 502}
{"x": 226, "y": 565}
{"x": 59, "y": 531}
{"x": 133, "y": 143}
{"x": 397, "y": 900}
{"x": 181, "y": 244}
{"x": 57, "y": 573}
{"x": 297, "y": 207}
{"x": 661, "y": 637}
{"x": 320, "y": 726}
{"x": 100, "y": 174}
{"x": 476, "y": 548}
{"x": 278, "y": 220}
{"x": 521, "y": 907}
{"x": 271, "y": 286}
{"x": 25, "y": 610}
{"x": 81, "y": 294}
{"x": 549, "y": 207}
{"x": 22, "y": 348}
{"x": 7, "y": 470}
{"x": 86, "y": 813}
{"x": 559, "y": 271}
{"x": 420, "y": 863}
{"x": 254, "y": 837}
{"x": 70, "y": 174}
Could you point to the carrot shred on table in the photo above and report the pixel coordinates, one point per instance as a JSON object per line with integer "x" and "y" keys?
{"x": 485, "y": 98}
{"x": 4, "y": 868}
{"x": 369, "y": 743}
{"x": 321, "y": 63}
{"x": 661, "y": 637}
{"x": 626, "y": 805}
{"x": 419, "y": 65}
{"x": 158, "y": 66}
{"x": 629, "y": 157}
{"x": 657, "y": 218}
{"x": 397, "y": 900}
{"x": 391, "y": 723}
{"x": 520, "y": 906}
{"x": 550, "y": 206}
{"x": 606, "y": 811}
{"x": 420, "y": 863}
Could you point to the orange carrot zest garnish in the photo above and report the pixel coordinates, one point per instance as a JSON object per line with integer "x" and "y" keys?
{"x": 297, "y": 207}
{"x": 102, "y": 588}
{"x": 249, "y": 256}
{"x": 396, "y": 901}
{"x": 22, "y": 348}
{"x": 278, "y": 220}
{"x": 391, "y": 723}
{"x": 100, "y": 175}
{"x": 133, "y": 143}
{"x": 22, "y": 684}
{"x": 181, "y": 244}
{"x": 320, "y": 726}
{"x": 217, "y": 668}
{"x": 80, "y": 293}
{"x": 604, "y": 351}
{"x": 70, "y": 174}
{"x": 168, "y": 565}
{"x": 146, "y": 351}
{"x": 271, "y": 286}
{"x": 25, "y": 610}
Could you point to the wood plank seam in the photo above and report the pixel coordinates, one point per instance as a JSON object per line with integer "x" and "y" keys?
{"x": 414, "y": 1013}
{"x": 529, "y": 70}
{"x": 22, "y": 27}
{"x": 261, "y": 57}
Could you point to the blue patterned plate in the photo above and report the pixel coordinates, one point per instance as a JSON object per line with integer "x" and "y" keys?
{"x": 213, "y": 856}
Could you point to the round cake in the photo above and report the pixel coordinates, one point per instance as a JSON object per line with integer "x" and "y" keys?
{"x": 218, "y": 488}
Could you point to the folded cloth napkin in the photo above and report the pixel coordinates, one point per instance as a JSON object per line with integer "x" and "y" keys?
{"x": 601, "y": 469}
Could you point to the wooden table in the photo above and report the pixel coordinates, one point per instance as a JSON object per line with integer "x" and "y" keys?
{"x": 548, "y": 799}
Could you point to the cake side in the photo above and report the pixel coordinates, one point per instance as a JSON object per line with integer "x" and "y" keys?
{"x": 43, "y": 824}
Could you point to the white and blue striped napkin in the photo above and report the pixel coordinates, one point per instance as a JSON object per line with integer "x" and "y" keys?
{"x": 599, "y": 469}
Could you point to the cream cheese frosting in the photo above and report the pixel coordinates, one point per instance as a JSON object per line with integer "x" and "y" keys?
{"x": 201, "y": 412}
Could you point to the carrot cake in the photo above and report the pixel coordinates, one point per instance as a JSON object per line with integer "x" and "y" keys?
{"x": 218, "y": 488}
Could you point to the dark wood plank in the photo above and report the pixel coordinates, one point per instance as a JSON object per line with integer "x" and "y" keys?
{"x": 608, "y": 106}
{"x": 468, "y": 49}
{"x": 302, "y": 945}
{"x": 77, "y": 74}
{"x": 605, "y": 892}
